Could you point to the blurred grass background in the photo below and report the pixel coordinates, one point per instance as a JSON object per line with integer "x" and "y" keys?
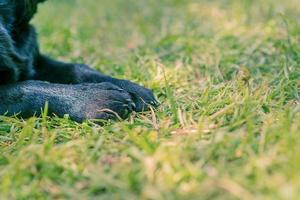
{"x": 228, "y": 76}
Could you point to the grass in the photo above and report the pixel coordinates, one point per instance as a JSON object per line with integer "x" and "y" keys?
{"x": 227, "y": 74}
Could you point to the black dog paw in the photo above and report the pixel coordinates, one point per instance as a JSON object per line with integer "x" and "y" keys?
{"x": 141, "y": 96}
{"x": 101, "y": 101}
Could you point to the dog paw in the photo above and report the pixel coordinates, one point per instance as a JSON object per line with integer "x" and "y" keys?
{"x": 141, "y": 96}
{"x": 101, "y": 101}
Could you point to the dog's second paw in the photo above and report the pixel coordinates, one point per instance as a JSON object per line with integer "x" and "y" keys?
{"x": 141, "y": 96}
{"x": 101, "y": 101}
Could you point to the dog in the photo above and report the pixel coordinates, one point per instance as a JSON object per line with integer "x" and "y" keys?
{"x": 29, "y": 79}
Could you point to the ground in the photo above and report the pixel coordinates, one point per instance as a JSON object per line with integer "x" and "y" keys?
{"x": 227, "y": 74}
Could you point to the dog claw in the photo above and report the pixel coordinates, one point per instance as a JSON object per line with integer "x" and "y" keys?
{"x": 133, "y": 106}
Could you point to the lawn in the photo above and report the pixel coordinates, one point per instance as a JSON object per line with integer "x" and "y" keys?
{"x": 227, "y": 74}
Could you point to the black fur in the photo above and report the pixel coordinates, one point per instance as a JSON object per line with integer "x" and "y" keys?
{"x": 28, "y": 78}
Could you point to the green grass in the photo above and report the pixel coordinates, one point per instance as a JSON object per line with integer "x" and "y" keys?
{"x": 227, "y": 74}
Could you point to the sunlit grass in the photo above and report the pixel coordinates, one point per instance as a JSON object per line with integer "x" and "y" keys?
{"x": 227, "y": 75}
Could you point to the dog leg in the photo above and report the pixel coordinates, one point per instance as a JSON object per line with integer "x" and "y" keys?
{"x": 58, "y": 72}
{"x": 80, "y": 101}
